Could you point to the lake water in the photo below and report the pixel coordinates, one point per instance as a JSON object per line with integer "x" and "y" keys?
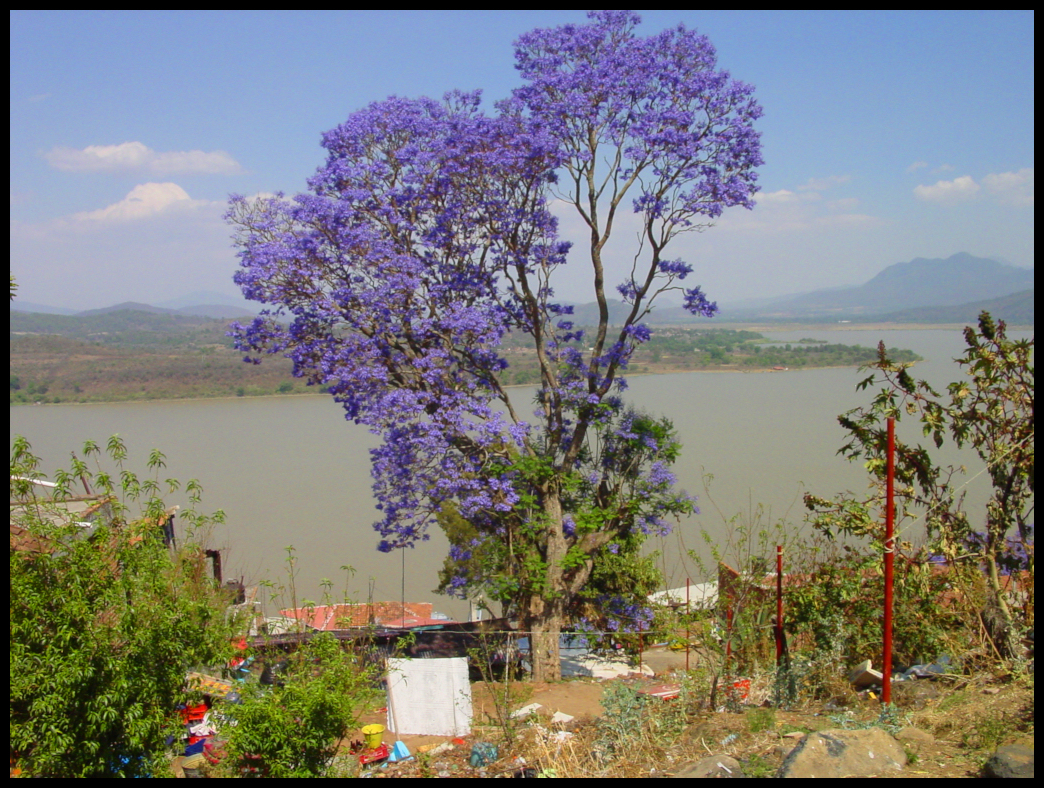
{"x": 291, "y": 471}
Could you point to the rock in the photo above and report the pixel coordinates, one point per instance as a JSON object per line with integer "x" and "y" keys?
{"x": 841, "y": 753}
{"x": 1011, "y": 760}
{"x": 991, "y": 690}
{"x": 721, "y": 766}
{"x": 915, "y": 736}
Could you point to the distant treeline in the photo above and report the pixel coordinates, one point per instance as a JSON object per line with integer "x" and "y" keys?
{"x": 681, "y": 349}
{"x": 127, "y": 355}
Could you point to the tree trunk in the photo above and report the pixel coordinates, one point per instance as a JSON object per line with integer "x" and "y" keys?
{"x": 545, "y": 614}
{"x": 999, "y": 620}
{"x": 545, "y": 629}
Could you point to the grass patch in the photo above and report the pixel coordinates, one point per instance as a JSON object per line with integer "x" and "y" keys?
{"x": 761, "y": 720}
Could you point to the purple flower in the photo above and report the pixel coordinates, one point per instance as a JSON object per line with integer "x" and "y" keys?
{"x": 426, "y": 245}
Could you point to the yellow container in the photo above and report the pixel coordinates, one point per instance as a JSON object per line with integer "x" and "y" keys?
{"x": 373, "y": 735}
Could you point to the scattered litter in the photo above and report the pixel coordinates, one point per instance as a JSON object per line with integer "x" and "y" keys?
{"x": 729, "y": 739}
{"x": 374, "y": 755}
{"x": 864, "y": 676}
{"x": 720, "y": 766}
{"x": 400, "y": 752}
{"x": 373, "y": 735}
{"x": 483, "y": 753}
{"x": 663, "y": 691}
{"x": 435, "y": 749}
{"x": 561, "y": 717}
{"x": 525, "y": 711}
{"x": 741, "y": 689}
{"x": 208, "y": 684}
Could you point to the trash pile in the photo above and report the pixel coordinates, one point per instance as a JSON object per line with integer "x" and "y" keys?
{"x": 200, "y": 743}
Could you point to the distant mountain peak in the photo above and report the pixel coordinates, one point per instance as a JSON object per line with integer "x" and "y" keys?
{"x": 922, "y": 282}
{"x": 131, "y": 306}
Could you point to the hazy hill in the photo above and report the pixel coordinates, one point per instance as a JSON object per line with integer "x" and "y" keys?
{"x": 201, "y": 303}
{"x": 959, "y": 279}
{"x": 124, "y": 327}
{"x": 127, "y": 306}
{"x": 213, "y": 311}
{"x": 18, "y": 305}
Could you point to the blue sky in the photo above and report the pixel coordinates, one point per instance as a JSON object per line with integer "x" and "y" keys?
{"x": 887, "y": 136}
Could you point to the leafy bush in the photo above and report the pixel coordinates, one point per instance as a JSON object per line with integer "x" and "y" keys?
{"x": 105, "y": 619}
{"x": 295, "y": 730}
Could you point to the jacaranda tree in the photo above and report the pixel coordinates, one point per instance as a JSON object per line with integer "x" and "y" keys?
{"x": 428, "y": 235}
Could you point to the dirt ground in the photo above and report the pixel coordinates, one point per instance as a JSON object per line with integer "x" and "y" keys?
{"x": 956, "y": 724}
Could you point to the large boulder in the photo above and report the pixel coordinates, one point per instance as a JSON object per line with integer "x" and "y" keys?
{"x": 1011, "y": 760}
{"x": 842, "y": 753}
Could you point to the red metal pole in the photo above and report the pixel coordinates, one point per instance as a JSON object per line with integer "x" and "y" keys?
{"x": 779, "y": 604}
{"x": 889, "y": 558}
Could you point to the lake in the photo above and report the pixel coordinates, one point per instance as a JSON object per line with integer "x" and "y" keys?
{"x": 291, "y": 470}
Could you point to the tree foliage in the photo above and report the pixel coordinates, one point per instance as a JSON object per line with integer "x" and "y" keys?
{"x": 105, "y": 618}
{"x": 428, "y": 235}
{"x": 990, "y": 412}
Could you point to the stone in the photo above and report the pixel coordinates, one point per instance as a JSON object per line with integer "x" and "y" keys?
{"x": 915, "y": 736}
{"x": 1011, "y": 760}
{"x": 843, "y": 753}
{"x": 719, "y": 766}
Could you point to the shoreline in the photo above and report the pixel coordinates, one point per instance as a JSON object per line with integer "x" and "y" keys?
{"x": 760, "y": 327}
{"x": 734, "y": 370}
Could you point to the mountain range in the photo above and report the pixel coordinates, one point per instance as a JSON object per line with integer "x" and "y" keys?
{"x": 950, "y": 290}
{"x": 198, "y": 304}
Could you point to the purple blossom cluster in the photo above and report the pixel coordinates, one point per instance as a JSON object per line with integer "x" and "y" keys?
{"x": 426, "y": 237}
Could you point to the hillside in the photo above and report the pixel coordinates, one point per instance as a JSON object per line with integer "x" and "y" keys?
{"x": 957, "y": 280}
{"x": 125, "y": 327}
{"x": 1015, "y": 309}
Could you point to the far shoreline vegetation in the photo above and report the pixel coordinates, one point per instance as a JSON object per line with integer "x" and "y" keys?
{"x": 136, "y": 356}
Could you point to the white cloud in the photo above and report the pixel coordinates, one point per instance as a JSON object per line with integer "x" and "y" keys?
{"x": 822, "y": 184}
{"x": 916, "y": 166}
{"x": 783, "y": 196}
{"x": 155, "y": 244}
{"x": 942, "y": 168}
{"x": 1012, "y": 188}
{"x": 957, "y": 190}
{"x": 144, "y": 200}
{"x": 135, "y": 156}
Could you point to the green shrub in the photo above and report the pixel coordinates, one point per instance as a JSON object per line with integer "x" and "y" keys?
{"x": 295, "y": 730}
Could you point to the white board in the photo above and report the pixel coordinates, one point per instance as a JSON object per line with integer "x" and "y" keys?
{"x": 429, "y": 697}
